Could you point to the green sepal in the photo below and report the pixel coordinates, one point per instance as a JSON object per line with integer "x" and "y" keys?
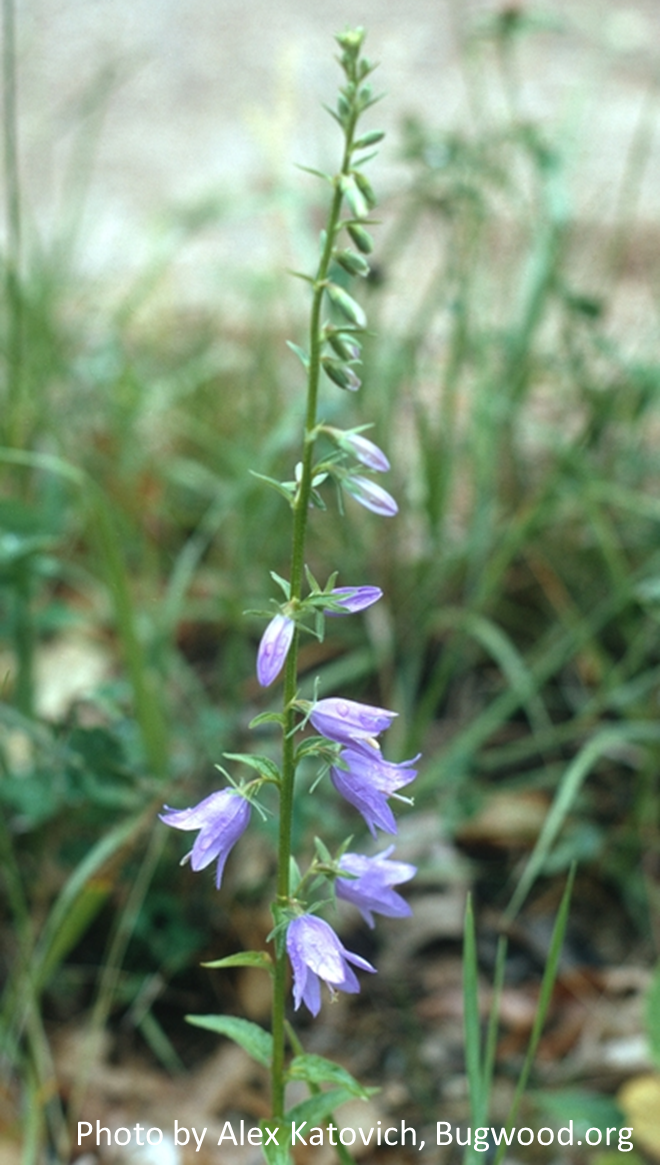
{"x": 295, "y": 875}
{"x": 300, "y": 275}
{"x": 322, "y": 850}
{"x": 317, "y": 1070}
{"x": 303, "y": 357}
{"x": 283, "y": 583}
{"x": 316, "y": 173}
{"x": 333, "y": 114}
{"x": 263, "y": 765}
{"x": 311, "y": 747}
{"x": 279, "y": 1154}
{"x": 251, "y": 1037}
{"x": 243, "y": 959}
{"x": 321, "y": 1105}
{"x": 266, "y": 719}
{"x": 287, "y": 489}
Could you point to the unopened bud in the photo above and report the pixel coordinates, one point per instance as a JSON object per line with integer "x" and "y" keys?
{"x": 341, "y": 374}
{"x": 351, "y": 40}
{"x": 347, "y": 305}
{"x": 370, "y": 139}
{"x": 354, "y": 196}
{"x": 354, "y": 264}
{"x": 361, "y": 238}
{"x": 345, "y": 346}
{"x": 365, "y": 188}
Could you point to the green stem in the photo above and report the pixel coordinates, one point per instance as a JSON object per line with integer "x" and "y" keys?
{"x": 13, "y": 290}
{"x": 301, "y": 505}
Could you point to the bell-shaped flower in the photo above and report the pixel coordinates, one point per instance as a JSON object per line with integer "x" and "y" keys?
{"x": 354, "y": 599}
{"x": 221, "y": 819}
{"x": 316, "y": 954}
{"x": 371, "y": 495}
{"x": 273, "y": 648}
{"x": 371, "y": 888}
{"x": 366, "y": 781}
{"x": 347, "y": 721}
{"x": 366, "y": 451}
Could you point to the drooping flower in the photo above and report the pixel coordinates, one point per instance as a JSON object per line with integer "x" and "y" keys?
{"x": 366, "y": 451}
{"x": 371, "y": 889}
{"x": 317, "y": 953}
{"x": 273, "y": 648}
{"x": 354, "y": 599}
{"x": 366, "y": 781}
{"x": 221, "y": 819}
{"x": 371, "y": 495}
{"x": 347, "y": 721}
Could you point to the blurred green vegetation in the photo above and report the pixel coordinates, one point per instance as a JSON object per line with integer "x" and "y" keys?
{"x": 519, "y": 636}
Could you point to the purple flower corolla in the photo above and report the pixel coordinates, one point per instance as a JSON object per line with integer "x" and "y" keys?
{"x": 273, "y": 648}
{"x": 221, "y": 819}
{"x": 317, "y": 953}
{"x": 371, "y": 889}
{"x": 347, "y": 721}
{"x": 366, "y": 452}
{"x": 354, "y": 599}
{"x": 366, "y": 781}
{"x": 371, "y": 495}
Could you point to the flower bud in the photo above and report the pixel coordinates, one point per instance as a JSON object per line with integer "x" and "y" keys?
{"x": 273, "y": 649}
{"x": 361, "y": 238}
{"x": 354, "y": 197}
{"x": 370, "y": 139}
{"x": 347, "y": 305}
{"x": 365, "y": 188}
{"x": 372, "y": 496}
{"x": 351, "y": 40}
{"x": 351, "y": 262}
{"x": 341, "y": 374}
{"x": 366, "y": 452}
{"x": 345, "y": 345}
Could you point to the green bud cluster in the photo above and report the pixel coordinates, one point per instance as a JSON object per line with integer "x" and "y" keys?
{"x": 339, "y": 345}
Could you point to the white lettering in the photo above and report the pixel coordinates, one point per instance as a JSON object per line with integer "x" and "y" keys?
{"x": 297, "y": 1133}
{"x": 180, "y": 1130}
{"x": 231, "y": 1135}
{"x": 445, "y": 1133}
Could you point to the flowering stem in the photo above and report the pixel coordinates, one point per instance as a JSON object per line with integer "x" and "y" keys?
{"x": 301, "y": 505}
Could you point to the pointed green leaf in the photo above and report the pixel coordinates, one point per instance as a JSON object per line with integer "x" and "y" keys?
{"x": 263, "y": 765}
{"x": 243, "y": 959}
{"x": 266, "y": 719}
{"x": 287, "y": 489}
{"x": 300, "y": 275}
{"x": 255, "y": 1040}
{"x": 283, "y": 583}
{"x": 300, "y": 353}
{"x": 317, "y": 1070}
{"x": 319, "y": 1106}
{"x": 316, "y": 173}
